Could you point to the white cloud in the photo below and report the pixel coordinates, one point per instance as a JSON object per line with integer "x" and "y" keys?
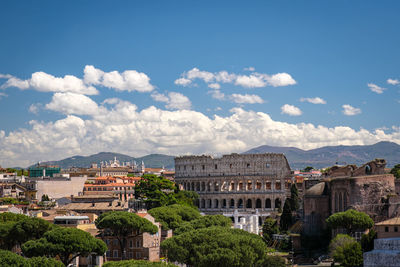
{"x": 249, "y": 69}
{"x": 252, "y": 80}
{"x": 246, "y": 99}
{"x": 350, "y": 110}
{"x": 393, "y": 81}
{"x": 35, "y": 108}
{"x": 375, "y": 88}
{"x": 44, "y": 82}
{"x": 3, "y": 95}
{"x": 217, "y": 94}
{"x": 315, "y": 100}
{"x": 291, "y": 110}
{"x": 70, "y": 103}
{"x": 174, "y": 100}
{"x": 128, "y": 130}
{"x": 218, "y": 109}
{"x": 129, "y": 80}
{"x": 214, "y": 85}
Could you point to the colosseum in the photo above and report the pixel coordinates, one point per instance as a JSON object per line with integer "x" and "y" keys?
{"x": 246, "y": 182}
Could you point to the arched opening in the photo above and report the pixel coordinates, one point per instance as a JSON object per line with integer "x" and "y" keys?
{"x": 249, "y": 185}
{"x": 198, "y": 186}
{"x": 340, "y": 202}
{"x": 232, "y": 204}
{"x": 240, "y": 204}
{"x": 232, "y": 186}
{"x": 209, "y": 203}
{"x": 216, "y": 187}
{"x": 336, "y": 202}
{"x": 258, "y": 203}
{"x": 249, "y": 204}
{"x": 192, "y": 186}
{"x": 203, "y": 186}
{"x": 224, "y": 204}
{"x": 240, "y": 186}
{"x": 216, "y": 203}
{"x": 368, "y": 169}
{"x": 258, "y": 185}
{"x": 203, "y": 204}
{"x": 268, "y": 203}
{"x": 208, "y": 187}
{"x": 278, "y": 203}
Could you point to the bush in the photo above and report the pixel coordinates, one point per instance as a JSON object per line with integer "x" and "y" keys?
{"x": 137, "y": 263}
{"x": 346, "y": 251}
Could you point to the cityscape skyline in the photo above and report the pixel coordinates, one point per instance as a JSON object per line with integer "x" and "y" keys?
{"x": 176, "y": 78}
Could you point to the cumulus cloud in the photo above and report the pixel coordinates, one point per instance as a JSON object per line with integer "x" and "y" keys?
{"x": 217, "y": 94}
{"x": 71, "y": 103}
{"x": 125, "y": 129}
{"x": 290, "y": 110}
{"x": 246, "y": 99}
{"x": 375, "y": 88}
{"x": 315, "y": 100}
{"x": 350, "y": 110}
{"x": 253, "y": 80}
{"x": 129, "y": 80}
{"x": 44, "y": 82}
{"x": 393, "y": 81}
{"x": 173, "y": 100}
{"x": 249, "y": 69}
{"x": 35, "y": 108}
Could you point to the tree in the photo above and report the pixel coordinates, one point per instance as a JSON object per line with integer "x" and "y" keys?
{"x": 271, "y": 261}
{"x": 171, "y": 217}
{"x": 28, "y": 229}
{"x": 44, "y": 262}
{"x": 45, "y": 198}
{"x": 396, "y": 171}
{"x": 137, "y": 263}
{"x": 188, "y": 198}
{"x": 286, "y": 217}
{"x": 215, "y": 246}
{"x": 367, "y": 240}
{"x": 294, "y": 198}
{"x": 350, "y": 220}
{"x": 204, "y": 222}
{"x": 8, "y": 258}
{"x": 156, "y": 191}
{"x": 120, "y": 224}
{"x": 64, "y": 243}
{"x": 346, "y": 250}
{"x": 270, "y": 227}
{"x": 308, "y": 168}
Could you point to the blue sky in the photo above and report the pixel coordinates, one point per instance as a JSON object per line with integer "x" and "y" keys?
{"x": 195, "y": 77}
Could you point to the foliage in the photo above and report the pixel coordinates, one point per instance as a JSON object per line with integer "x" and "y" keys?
{"x": 286, "y": 217}
{"x": 347, "y": 251}
{"x": 339, "y": 241}
{"x": 269, "y": 228}
{"x": 28, "y": 229}
{"x": 204, "y": 222}
{"x": 11, "y": 200}
{"x": 271, "y": 261}
{"x": 44, "y": 262}
{"x": 156, "y": 191}
{"x": 189, "y": 198}
{"x": 215, "y": 246}
{"x": 308, "y": 169}
{"x": 171, "y": 217}
{"x": 350, "y": 220}
{"x": 65, "y": 243}
{"x": 45, "y": 197}
{"x": 294, "y": 198}
{"x": 137, "y": 263}
{"x": 120, "y": 224}
{"x": 367, "y": 240}
{"x": 11, "y": 217}
{"x": 396, "y": 171}
{"x": 8, "y": 258}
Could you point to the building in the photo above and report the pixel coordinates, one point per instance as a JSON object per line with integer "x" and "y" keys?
{"x": 17, "y": 191}
{"x": 246, "y": 182}
{"x": 123, "y": 187}
{"x": 386, "y": 253}
{"x": 97, "y": 204}
{"x": 43, "y": 170}
{"x": 140, "y": 246}
{"x": 366, "y": 188}
{"x": 388, "y": 228}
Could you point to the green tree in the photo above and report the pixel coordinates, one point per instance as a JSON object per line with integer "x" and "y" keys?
{"x": 367, "y": 240}
{"x": 204, "y": 222}
{"x": 28, "y": 229}
{"x": 350, "y": 220}
{"x": 294, "y": 198}
{"x": 308, "y": 168}
{"x": 44, "y": 262}
{"x": 171, "y": 217}
{"x": 346, "y": 251}
{"x": 215, "y": 246}
{"x": 120, "y": 224}
{"x": 45, "y": 198}
{"x": 188, "y": 198}
{"x": 286, "y": 217}
{"x": 65, "y": 243}
{"x": 8, "y": 258}
{"x": 270, "y": 227}
{"x": 137, "y": 263}
{"x": 271, "y": 261}
{"x": 156, "y": 191}
{"x": 396, "y": 171}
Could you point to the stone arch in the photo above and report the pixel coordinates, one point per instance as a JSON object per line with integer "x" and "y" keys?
{"x": 209, "y": 204}
{"x": 216, "y": 204}
{"x": 232, "y": 186}
{"x": 368, "y": 169}
{"x": 192, "y": 186}
{"x": 203, "y": 203}
{"x": 240, "y": 186}
{"x": 232, "y": 204}
{"x": 268, "y": 203}
{"x": 258, "y": 203}
{"x": 249, "y": 204}
{"x": 240, "y": 203}
{"x": 278, "y": 203}
{"x": 208, "y": 186}
{"x": 203, "y": 186}
{"x": 224, "y": 203}
{"x": 216, "y": 187}
{"x": 198, "y": 186}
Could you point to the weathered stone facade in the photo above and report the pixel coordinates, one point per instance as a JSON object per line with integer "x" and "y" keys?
{"x": 386, "y": 253}
{"x": 243, "y": 182}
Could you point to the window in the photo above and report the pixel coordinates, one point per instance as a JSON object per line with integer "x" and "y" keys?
{"x": 203, "y": 167}
{"x": 386, "y": 229}
{"x": 230, "y": 166}
{"x": 130, "y": 255}
{"x": 138, "y": 243}
{"x": 248, "y": 165}
{"x": 107, "y": 242}
{"x": 396, "y": 229}
{"x": 138, "y": 255}
{"x": 192, "y": 167}
{"x": 115, "y": 253}
{"x": 131, "y": 243}
{"x": 216, "y": 166}
{"x": 115, "y": 242}
{"x": 108, "y": 253}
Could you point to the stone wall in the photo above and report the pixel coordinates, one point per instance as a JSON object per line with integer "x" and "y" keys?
{"x": 386, "y": 253}
{"x": 58, "y": 188}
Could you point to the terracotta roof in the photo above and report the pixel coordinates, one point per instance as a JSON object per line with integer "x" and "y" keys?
{"x": 393, "y": 221}
{"x": 97, "y": 206}
{"x": 109, "y": 185}
{"x": 142, "y": 214}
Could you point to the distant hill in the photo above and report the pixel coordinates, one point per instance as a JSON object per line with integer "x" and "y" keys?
{"x": 151, "y": 161}
{"x": 329, "y": 155}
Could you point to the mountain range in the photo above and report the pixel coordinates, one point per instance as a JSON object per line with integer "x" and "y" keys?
{"x": 298, "y": 158}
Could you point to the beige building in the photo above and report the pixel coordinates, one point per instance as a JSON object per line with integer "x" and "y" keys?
{"x": 245, "y": 182}
{"x": 389, "y": 228}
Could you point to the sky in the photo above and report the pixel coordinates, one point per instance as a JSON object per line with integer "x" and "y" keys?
{"x": 195, "y": 77}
